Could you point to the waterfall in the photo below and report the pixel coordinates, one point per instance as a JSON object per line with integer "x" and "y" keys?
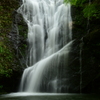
{"x": 50, "y": 39}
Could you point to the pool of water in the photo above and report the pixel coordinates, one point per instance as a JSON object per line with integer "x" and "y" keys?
{"x": 48, "y": 96}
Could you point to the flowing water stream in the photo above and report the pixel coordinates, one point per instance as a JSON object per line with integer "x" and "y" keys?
{"x": 50, "y": 40}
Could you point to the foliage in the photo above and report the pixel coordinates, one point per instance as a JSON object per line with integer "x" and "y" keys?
{"x": 90, "y": 8}
{"x": 76, "y": 2}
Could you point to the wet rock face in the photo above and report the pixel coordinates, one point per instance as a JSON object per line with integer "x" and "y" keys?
{"x": 18, "y": 37}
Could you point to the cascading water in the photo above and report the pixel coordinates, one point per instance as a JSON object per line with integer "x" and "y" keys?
{"x": 49, "y": 36}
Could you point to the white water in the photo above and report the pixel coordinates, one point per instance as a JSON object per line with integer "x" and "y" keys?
{"x": 49, "y": 35}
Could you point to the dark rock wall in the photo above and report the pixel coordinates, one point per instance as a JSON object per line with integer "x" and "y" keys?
{"x": 12, "y": 43}
{"x": 87, "y": 32}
